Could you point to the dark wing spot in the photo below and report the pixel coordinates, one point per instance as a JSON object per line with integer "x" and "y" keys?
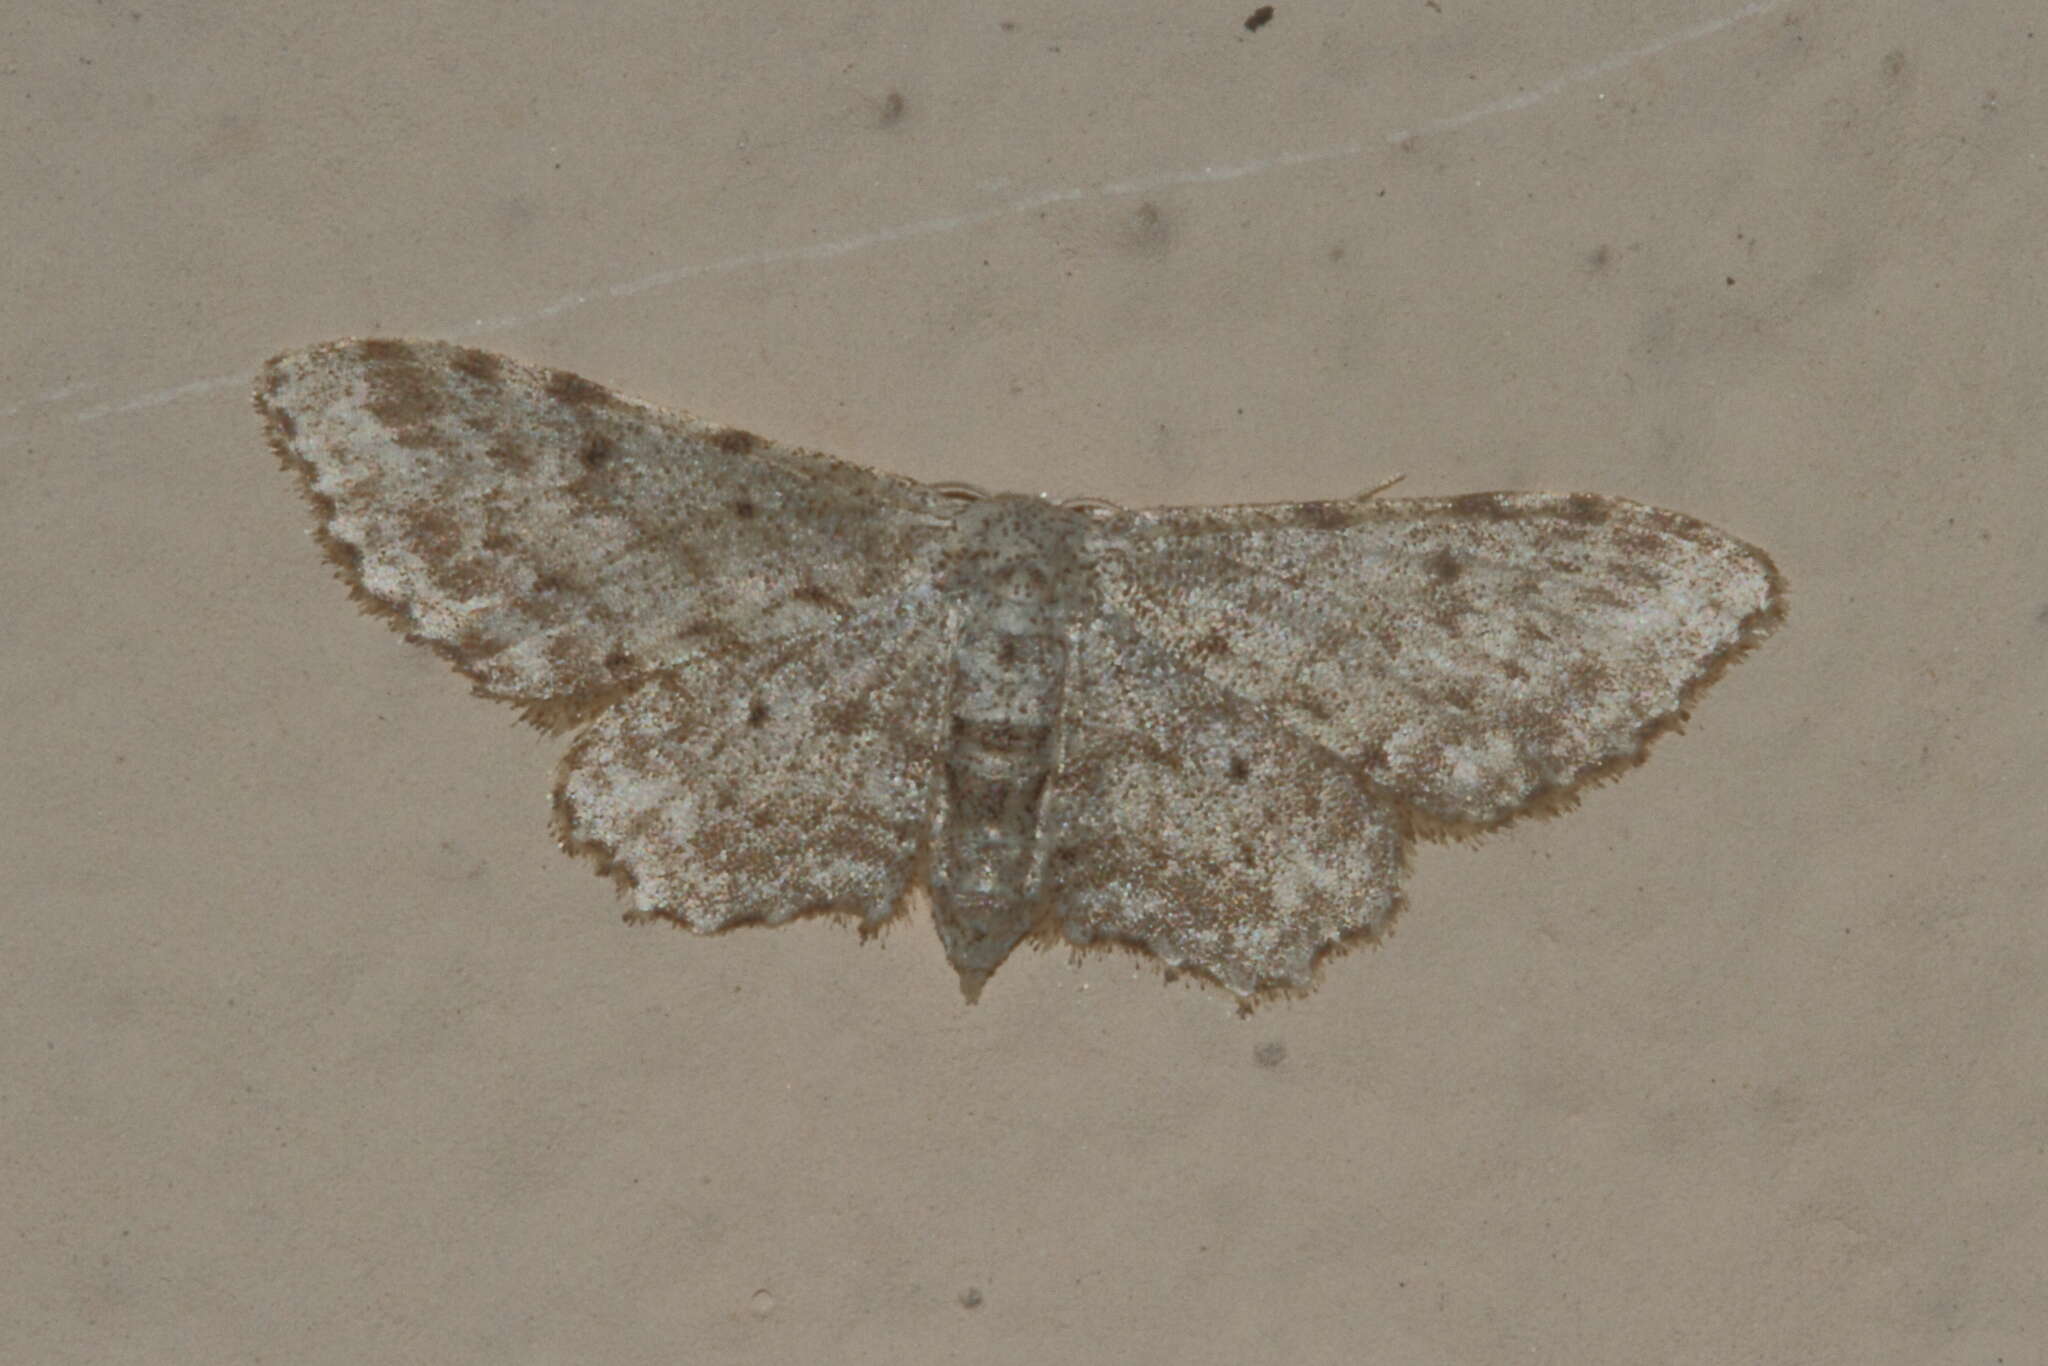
{"x": 1323, "y": 516}
{"x": 402, "y": 396}
{"x": 1586, "y": 509}
{"x": 596, "y": 452}
{"x": 1309, "y": 703}
{"x": 745, "y": 510}
{"x": 431, "y": 533}
{"x": 618, "y": 659}
{"x": 851, "y": 717}
{"x": 481, "y": 366}
{"x": 511, "y": 455}
{"x": 575, "y": 390}
{"x": 470, "y": 576}
{"x": 1586, "y": 678}
{"x": 1239, "y": 769}
{"x": 818, "y": 597}
{"x": 1443, "y": 566}
{"x": 347, "y": 554}
{"x": 757, "y": 714}
{"x": 1482, "y": 505}
{"x": 1646, "y": 546}
{"x": 473, "y": 642}
{"x": 733, "y": 440}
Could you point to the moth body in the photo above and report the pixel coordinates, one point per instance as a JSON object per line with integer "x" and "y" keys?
{"x": 799, "y": 686}
{"x": 1016, "y": 577}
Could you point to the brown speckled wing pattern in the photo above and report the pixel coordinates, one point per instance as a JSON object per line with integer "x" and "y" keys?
{"x": 802, "y": 686}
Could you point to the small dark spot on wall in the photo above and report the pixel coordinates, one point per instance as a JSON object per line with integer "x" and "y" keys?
{"x": 1271, "y": 1053}
{"x": 970, "y": 1298}
{"x": 892, "y": 110}
{"x": 1258, "y": 18}
{"x": 1600, "y": 257}
{"x": 1894, "y": 65}
{"x": 1336, "y": 253}
{"x": 1151, "y": 234}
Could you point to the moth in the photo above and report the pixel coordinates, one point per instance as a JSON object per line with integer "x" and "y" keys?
{"x": 797, "y": 685}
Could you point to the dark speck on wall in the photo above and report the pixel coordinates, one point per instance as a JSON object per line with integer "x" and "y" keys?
{"x": 1259, "y": 18}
